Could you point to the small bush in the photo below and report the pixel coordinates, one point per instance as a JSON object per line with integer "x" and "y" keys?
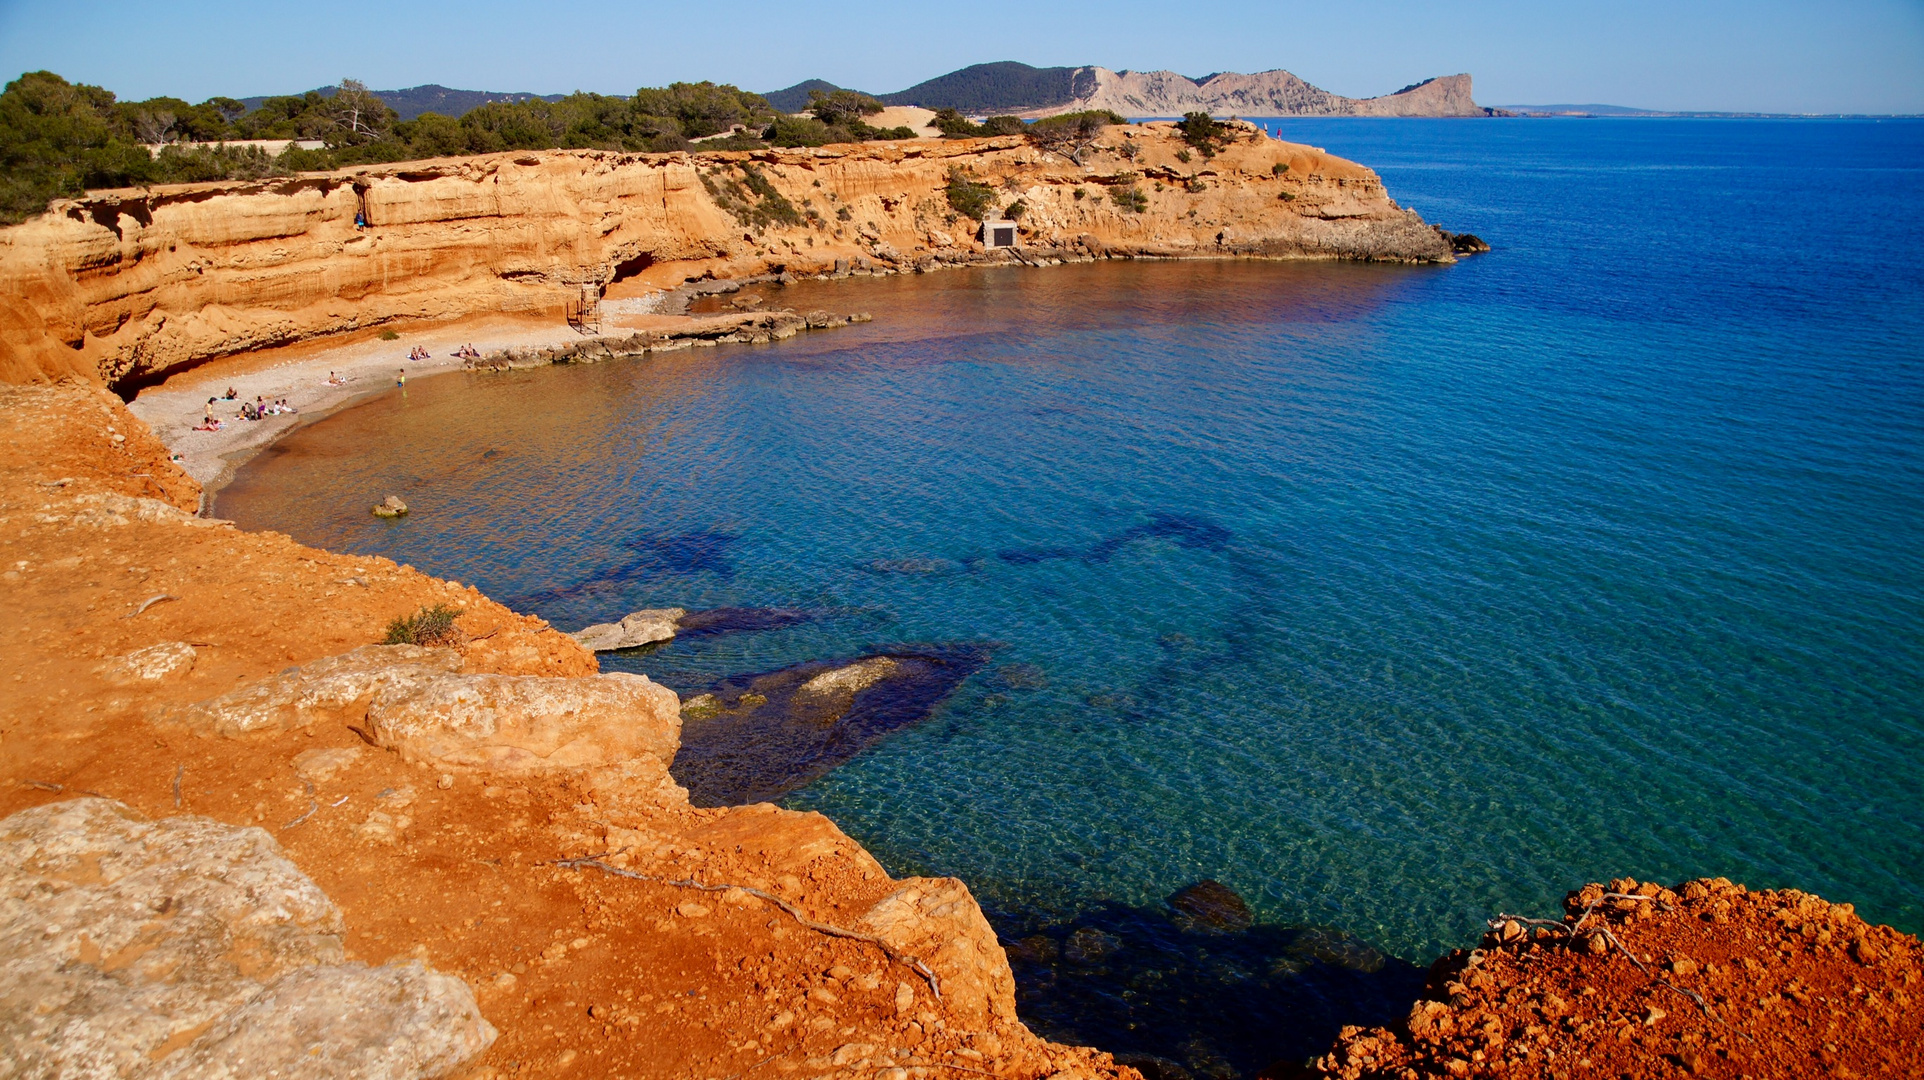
{"x": 1015, "y": 210}
{"x": 389, "y": 335}
{"x": 1182, "y": 156}
{"x": 968, "y": 197}
{"x": 1204, "y": 133}
{"x": 1130, "y": 198}
{"x": 1081, "y": 194}
{"x": 953, "y": 125}
{"x": 1287, "y": 196}
{"x": 1004, "y": 125}
{"x": 428, "y": 626}
{"x": 1279, "y": 168}
{"x": 1195, "y": 187}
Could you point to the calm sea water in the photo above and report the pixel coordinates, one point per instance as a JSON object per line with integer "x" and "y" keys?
{"x": 1392, "y": 597}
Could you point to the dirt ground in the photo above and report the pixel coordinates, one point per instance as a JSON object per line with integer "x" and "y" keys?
{"x": 1707, "y": 979}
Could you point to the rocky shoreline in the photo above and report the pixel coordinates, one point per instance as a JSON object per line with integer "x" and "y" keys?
{"x": 479, "y": 856}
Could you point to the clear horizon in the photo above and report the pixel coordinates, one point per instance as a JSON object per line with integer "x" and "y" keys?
{"x": 1859, "y": 56}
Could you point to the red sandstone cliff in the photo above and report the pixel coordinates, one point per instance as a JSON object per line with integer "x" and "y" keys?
{"x": 125, "y": 287}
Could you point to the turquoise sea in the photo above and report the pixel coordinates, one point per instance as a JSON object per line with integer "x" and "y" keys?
{"x": 1391, "y": 597}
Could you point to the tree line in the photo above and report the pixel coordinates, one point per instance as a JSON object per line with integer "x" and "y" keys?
{"x": 57, "y": 138}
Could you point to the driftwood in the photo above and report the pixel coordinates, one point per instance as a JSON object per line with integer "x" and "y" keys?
{"x": 907, "y": 961}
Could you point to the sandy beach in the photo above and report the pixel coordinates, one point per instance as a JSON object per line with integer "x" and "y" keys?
{"x": 362, "y": 366}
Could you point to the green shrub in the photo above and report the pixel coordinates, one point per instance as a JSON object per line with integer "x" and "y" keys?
{"x": 1004, "y": 125}
{"x": 798, "y": 131}
{"x": 1195, "y": 186}
{"x": 1081, "y": 194}
{"x": 1279, "y": 168}
{"x": 428, "y": 626}
{"x": 1129, "y": 198}
{"x": 953, "y": 125}
{"x": 968, "y": 197}
{"x": 1203, "y": 133}
{"x": 1071, "y": 134}
{"x": 1182, "y": 156}
{"x": 1015, "y": 210}
{"x": 1287, "y": 196}
{"x": 843, "y": 108}
{"x": 389, "y": 335}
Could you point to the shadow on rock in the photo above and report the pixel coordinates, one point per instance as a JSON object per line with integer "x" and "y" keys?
{"x": 754, "y": 738}
{"x": 1198, "y": 989}
{"x": 1186, "y": 530}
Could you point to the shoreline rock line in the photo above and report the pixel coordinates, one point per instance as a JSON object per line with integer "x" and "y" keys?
{"x": 129, "y": 287}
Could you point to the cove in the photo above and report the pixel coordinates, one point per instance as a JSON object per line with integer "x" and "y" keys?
{"x": 1391, "y": 597}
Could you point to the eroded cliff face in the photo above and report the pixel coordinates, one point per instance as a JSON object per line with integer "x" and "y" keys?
{"x": 127, "y": 287}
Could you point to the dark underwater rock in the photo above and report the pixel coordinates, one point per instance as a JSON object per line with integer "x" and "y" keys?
{"x": 1187, "y": 530}
{"x": 1210, "y": 907}
{"x": 736, "y": 620}
{"x": 1235, "y": 1003}
{"x": 754, "y": 738}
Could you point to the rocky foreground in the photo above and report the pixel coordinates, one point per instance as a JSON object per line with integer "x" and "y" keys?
{"x": 1636, "y": 980}
{"x": 242, "y": 838}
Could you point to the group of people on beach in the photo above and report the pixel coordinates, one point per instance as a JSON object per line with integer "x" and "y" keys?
{"x": 417, "y": 354}
{"x": 258, "y": 409}
{"x": 468, "y": 355}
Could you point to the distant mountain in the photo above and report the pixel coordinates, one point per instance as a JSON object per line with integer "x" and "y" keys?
{"x": 794, "y": 99}
{"x": 415, "y": 100}
{"x": 1002, "y": 87}
{"x": 1010, "y": 87}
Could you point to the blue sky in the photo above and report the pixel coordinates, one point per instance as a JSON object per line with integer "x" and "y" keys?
{"x": 1765, "y": 55}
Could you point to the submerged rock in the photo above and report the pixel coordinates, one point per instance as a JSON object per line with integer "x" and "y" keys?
{"x": 1140, "y": 983}
{"x": 754, "y": 738}
{"x": 1210, "y": 907}
{"x": 187, "y": 948}
{"x": 644, "y": 627}
{"x": 737, "y": 620}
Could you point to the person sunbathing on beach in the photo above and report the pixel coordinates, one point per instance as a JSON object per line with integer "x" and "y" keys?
{"x": 231, "y": 395}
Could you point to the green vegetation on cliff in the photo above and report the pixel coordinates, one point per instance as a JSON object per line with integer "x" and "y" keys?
{"x": 59, "y": 138}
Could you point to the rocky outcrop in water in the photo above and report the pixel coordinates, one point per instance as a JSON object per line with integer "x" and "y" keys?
{"x": 126, "y": 287}
{"x": 186, "y": 948}
{"x": 755, "y": 737}
{"x": 634, "y": 630}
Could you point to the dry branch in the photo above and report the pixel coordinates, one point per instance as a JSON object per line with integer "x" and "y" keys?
{"x": 910, "y": 962}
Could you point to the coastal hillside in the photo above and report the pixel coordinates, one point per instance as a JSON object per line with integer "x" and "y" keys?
{"x": 1010, "y": 87}
{"x": 125, "y": 287}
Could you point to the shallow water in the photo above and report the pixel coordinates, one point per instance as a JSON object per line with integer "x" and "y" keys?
{"x": 1390, "y": 596}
